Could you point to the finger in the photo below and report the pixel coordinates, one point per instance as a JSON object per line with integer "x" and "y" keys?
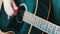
{"x": 8, "y": 8}
{"x": 14, "y": 5}
{"x": 15, "y": 8}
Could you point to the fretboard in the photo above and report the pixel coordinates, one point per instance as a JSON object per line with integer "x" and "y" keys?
{"x": 41, "y": 24}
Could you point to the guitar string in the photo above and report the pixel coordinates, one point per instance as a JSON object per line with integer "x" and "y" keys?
{"x": 48, "y": 12}
{"x": 34, "y": 14}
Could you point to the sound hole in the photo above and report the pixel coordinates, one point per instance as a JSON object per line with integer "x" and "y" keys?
{"x": 20, "y": 14}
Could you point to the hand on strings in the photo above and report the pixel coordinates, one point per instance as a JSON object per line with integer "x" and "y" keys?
{"x": 10, "y": 7}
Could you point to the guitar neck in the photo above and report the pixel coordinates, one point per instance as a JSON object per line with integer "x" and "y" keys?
{"x": 41, "y": 24}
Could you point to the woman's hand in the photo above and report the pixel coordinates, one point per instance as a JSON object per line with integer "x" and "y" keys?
{"x": 10, "y": 7}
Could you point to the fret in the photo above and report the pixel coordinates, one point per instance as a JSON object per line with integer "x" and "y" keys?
{"x": 39, "y": 21}
{"x": 58, "y": 30}
{"x": 31, "y": 20}
{"x": 50, "y": 28}
{"x": 47, "y": 24}
{"x": 39, "y": 24}
{"x": 53, "y": 29}
{"x": 44, "y": 25}
{"x": 36, "y": 21}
